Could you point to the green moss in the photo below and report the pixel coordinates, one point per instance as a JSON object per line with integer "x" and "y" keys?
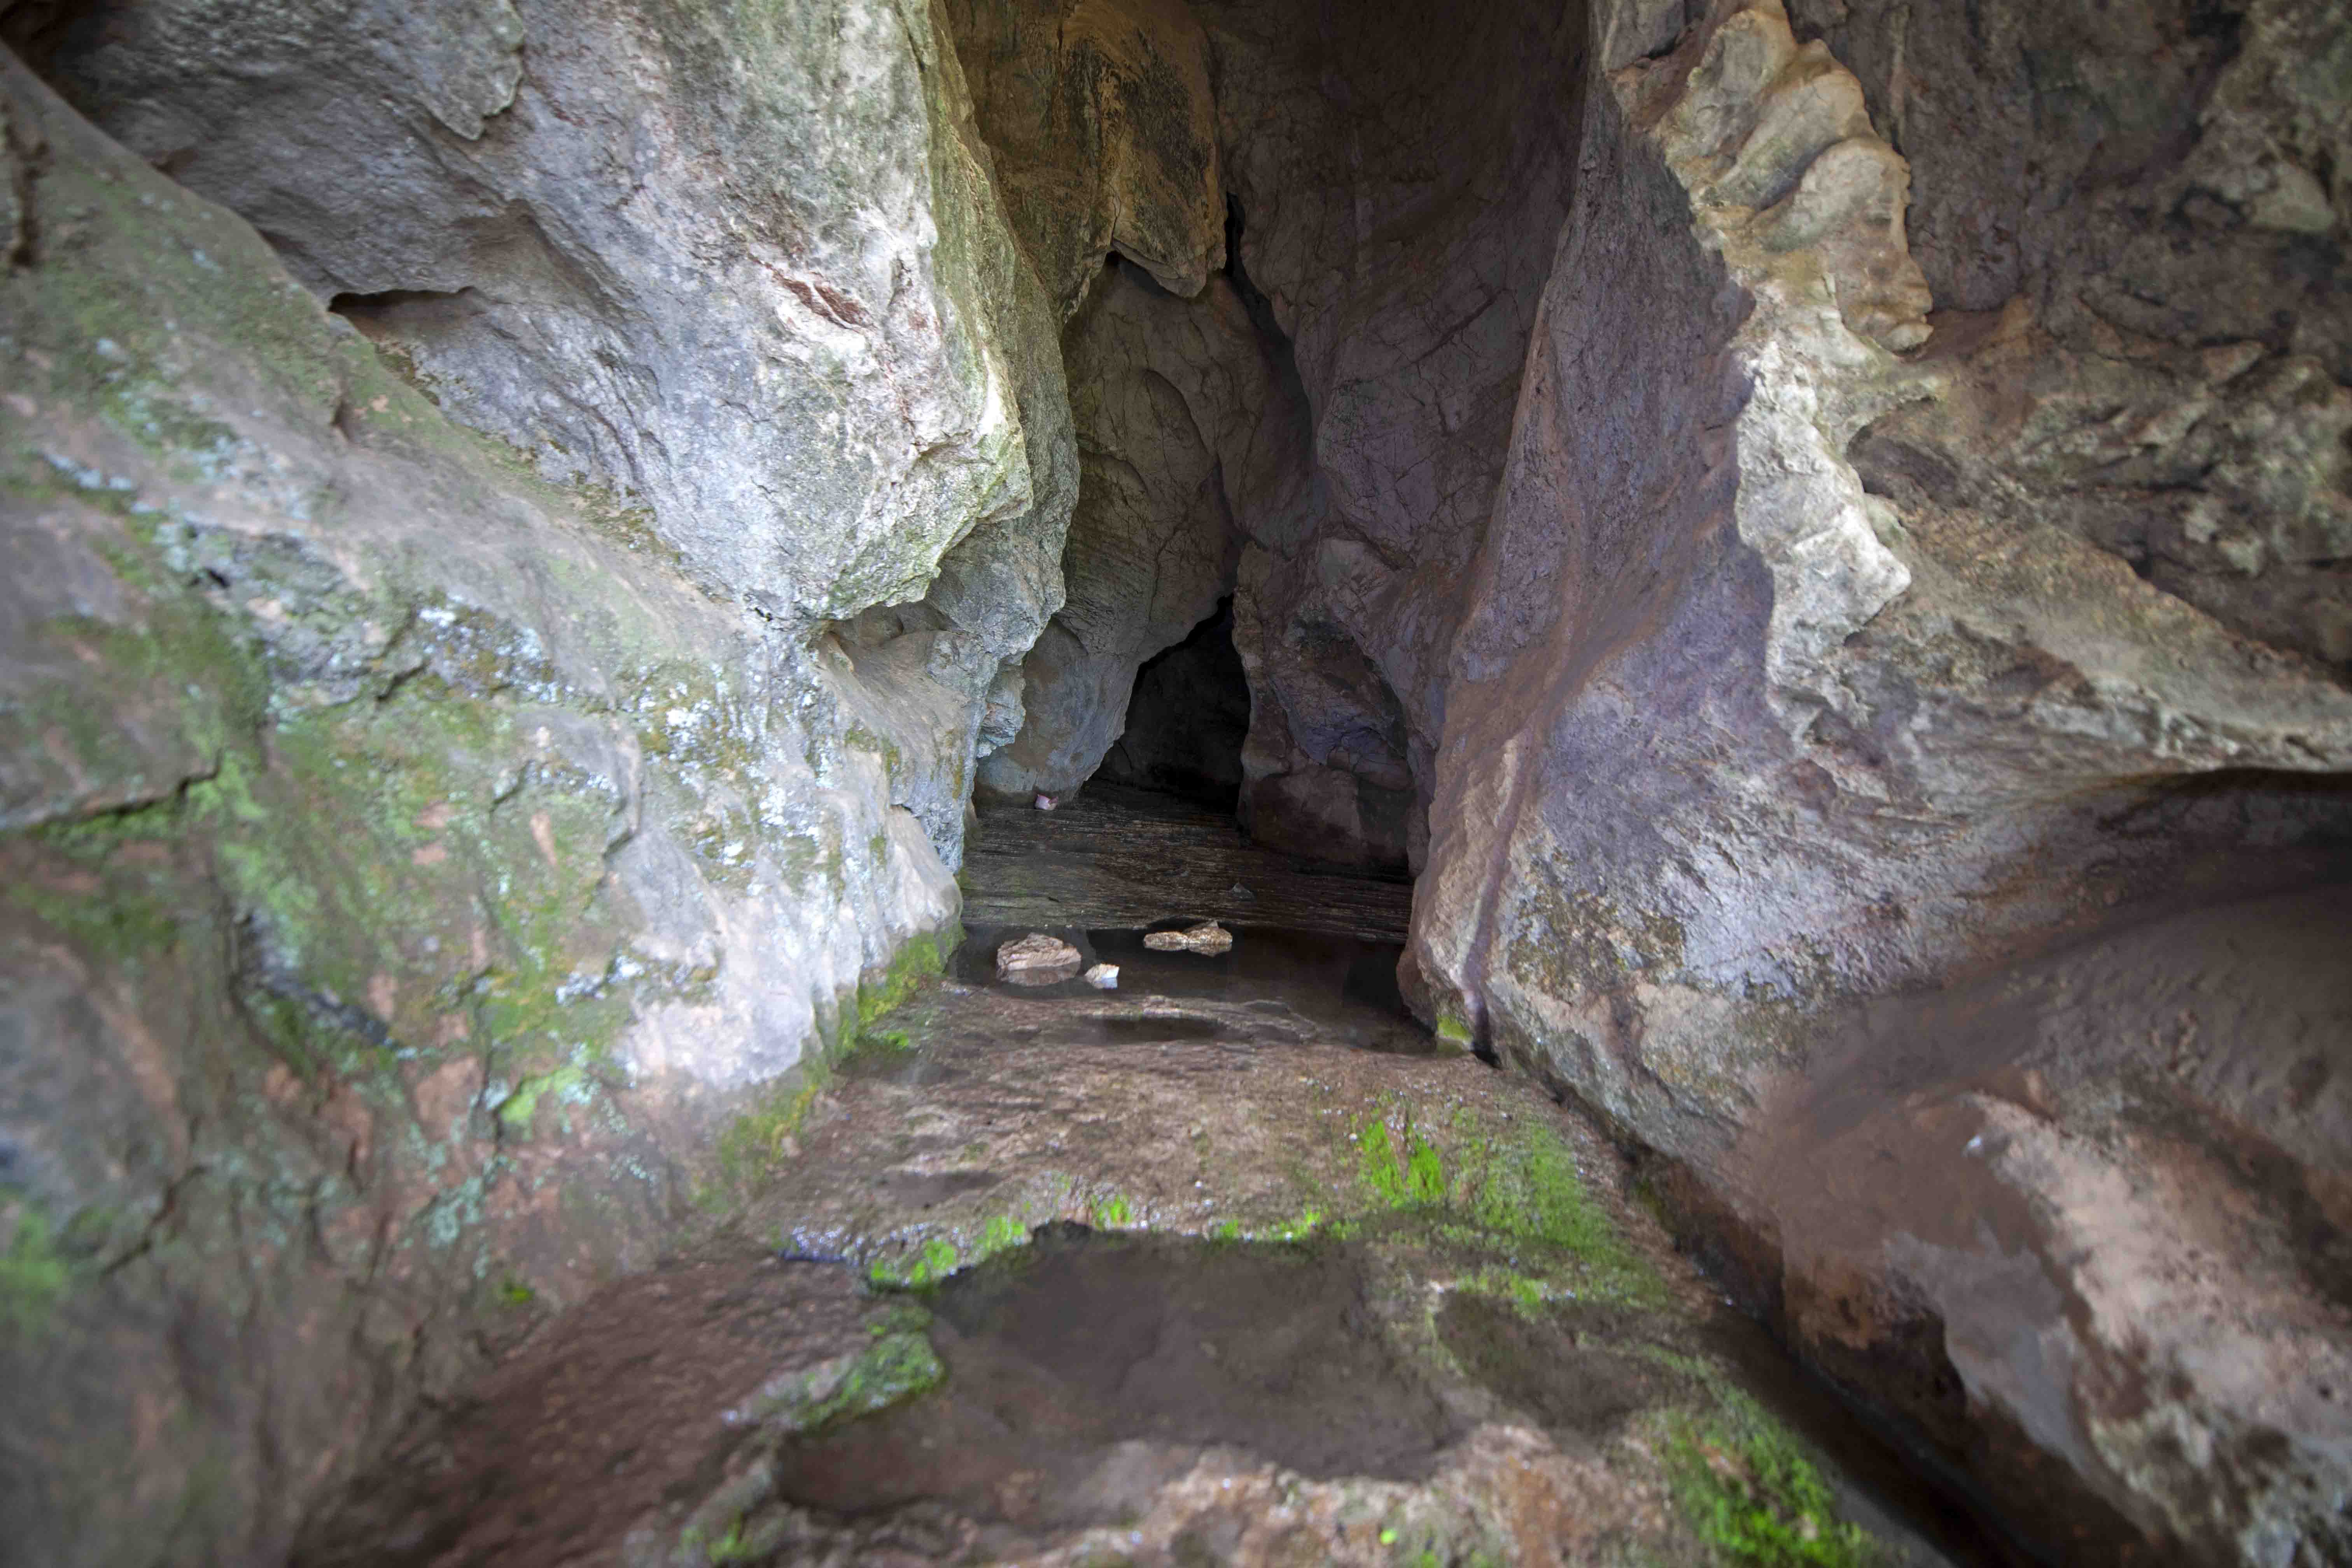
{"x": 893, "y": 762}
{"x": 1001, "y": 1234}
{"x": 1455, "y": 1031}
{"x": 1746, "y": 1488}
{"x": 920, "y": 958}
{"x": 1114, "y": 1212}
{"x": 34, "y": 1271}
{"x": 731, "y": 1547}
{"x": 1416, "y": 1179}
{"x": 1527, "y": 1295}
{"x": 752, "y": 1147}
{"x": 515, "y": 1293}
{"x": 132, "y": 913}
{"x": 516, "y": 1110}
{"x": 899, "y": 1364}
{"x": 1520, "y": 1196}
{"x": 1532, "y": 1190}
{"x": 939, "y": 1258}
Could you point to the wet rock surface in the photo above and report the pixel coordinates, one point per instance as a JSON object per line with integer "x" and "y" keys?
{"x": 1768, "y": 719}
{"x": 405, "y": 868}
{"x": 1208, "y": 938}
{"x": 1118, "y": 857}
{"x": 1203, "y": 1282}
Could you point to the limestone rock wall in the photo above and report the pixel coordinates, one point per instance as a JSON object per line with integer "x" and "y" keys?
{"x": 1101, "y": 119}
{"x": 1182, "y": 431}
{"x": 1403, "y": 172}
{"x": 1855, "y": 778}
{"x": 1393, "y": 249}
{"x": 1820, "y": 533}
{"x": 744, "y": 267}
{"x": 459, "y": 749}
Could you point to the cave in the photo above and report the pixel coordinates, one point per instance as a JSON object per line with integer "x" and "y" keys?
{"x": 1176, "y": 781}
{"x": 1186, "y": 720}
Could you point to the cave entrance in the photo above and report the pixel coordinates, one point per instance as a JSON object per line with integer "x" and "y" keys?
{"x": 1186, "y": 720}
{"x": 1154, "y": 835}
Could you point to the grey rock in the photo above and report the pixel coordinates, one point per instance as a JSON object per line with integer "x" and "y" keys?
{"x": 1402, "y": 181}
{"x": 750, "y": 275}
{"x": 1168, "y": 396}
{"x": 414, "y": 865}
{"x": 758, "y": 233}
{"x": 1100, "y": 116}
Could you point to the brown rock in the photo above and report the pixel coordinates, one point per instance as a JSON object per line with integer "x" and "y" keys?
{"x": 1208, "y": 938}
{"x": 1038, "y": 960}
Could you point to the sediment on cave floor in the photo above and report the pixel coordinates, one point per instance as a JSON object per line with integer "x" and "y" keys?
{"x": 1236, "y": 1263}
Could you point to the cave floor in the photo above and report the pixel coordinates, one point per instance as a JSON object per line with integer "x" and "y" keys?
{"x": 1208, "y": 1268}
{"x": 1114, "y": 857}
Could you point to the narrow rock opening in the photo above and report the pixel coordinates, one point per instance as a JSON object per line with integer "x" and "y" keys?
{"x": 1186, "y": 720}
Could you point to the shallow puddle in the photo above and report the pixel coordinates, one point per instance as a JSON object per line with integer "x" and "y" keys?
{"x": 1084, "y": 1370}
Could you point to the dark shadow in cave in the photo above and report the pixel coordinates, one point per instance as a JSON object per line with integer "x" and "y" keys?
{"x": 1187, "y": 718}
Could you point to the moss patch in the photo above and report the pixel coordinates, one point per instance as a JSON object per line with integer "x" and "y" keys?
{"x": 34, "y": 1271}
{"x": 1517, "y": 1195}
{"x": 938, "y": 1258}
{"x": 1746, "y": 1490}
{"x": 1413, "y": 1177}
{"x": 751, "y": 1150}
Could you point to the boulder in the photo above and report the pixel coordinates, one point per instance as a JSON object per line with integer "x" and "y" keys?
{"x": 424, "y": 836}
{"x": 1834, "y": 790}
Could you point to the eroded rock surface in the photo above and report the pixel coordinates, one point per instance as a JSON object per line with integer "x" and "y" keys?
{"x": 1169, "y": 397}
{"x": 748, "y": 273}
{"x": 1762, "y": 712}
{"x": 417, "y": 850}
{"x": 1403, "y": 171}
{"x": 1208, "y": 937}
{"x": 1038, "y": 960}
{"x": 1100, "y": 117}
{"x": 1821, "y": 533}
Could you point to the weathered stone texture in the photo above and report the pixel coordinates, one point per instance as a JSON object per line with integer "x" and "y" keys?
{"x": 1808, "y": 666}
{"x": 702, "y": 254}
{"x": 746, "y": 267}
{"x": 418, "y": 842}
{"x": 1403, "y": 172}
{"x": 1104, "y": 134}
{"x": 1172, "y": 401}
{"x": 1821, "y": 533}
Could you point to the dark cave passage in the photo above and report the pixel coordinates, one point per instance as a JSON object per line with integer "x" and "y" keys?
{"x": 1187, "y": 718}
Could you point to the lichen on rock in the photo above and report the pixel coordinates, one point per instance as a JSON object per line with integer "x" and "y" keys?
{"x": 409, "y": 870}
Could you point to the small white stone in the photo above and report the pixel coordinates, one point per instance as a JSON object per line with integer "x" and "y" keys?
{"x": 1103, "y": 977}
